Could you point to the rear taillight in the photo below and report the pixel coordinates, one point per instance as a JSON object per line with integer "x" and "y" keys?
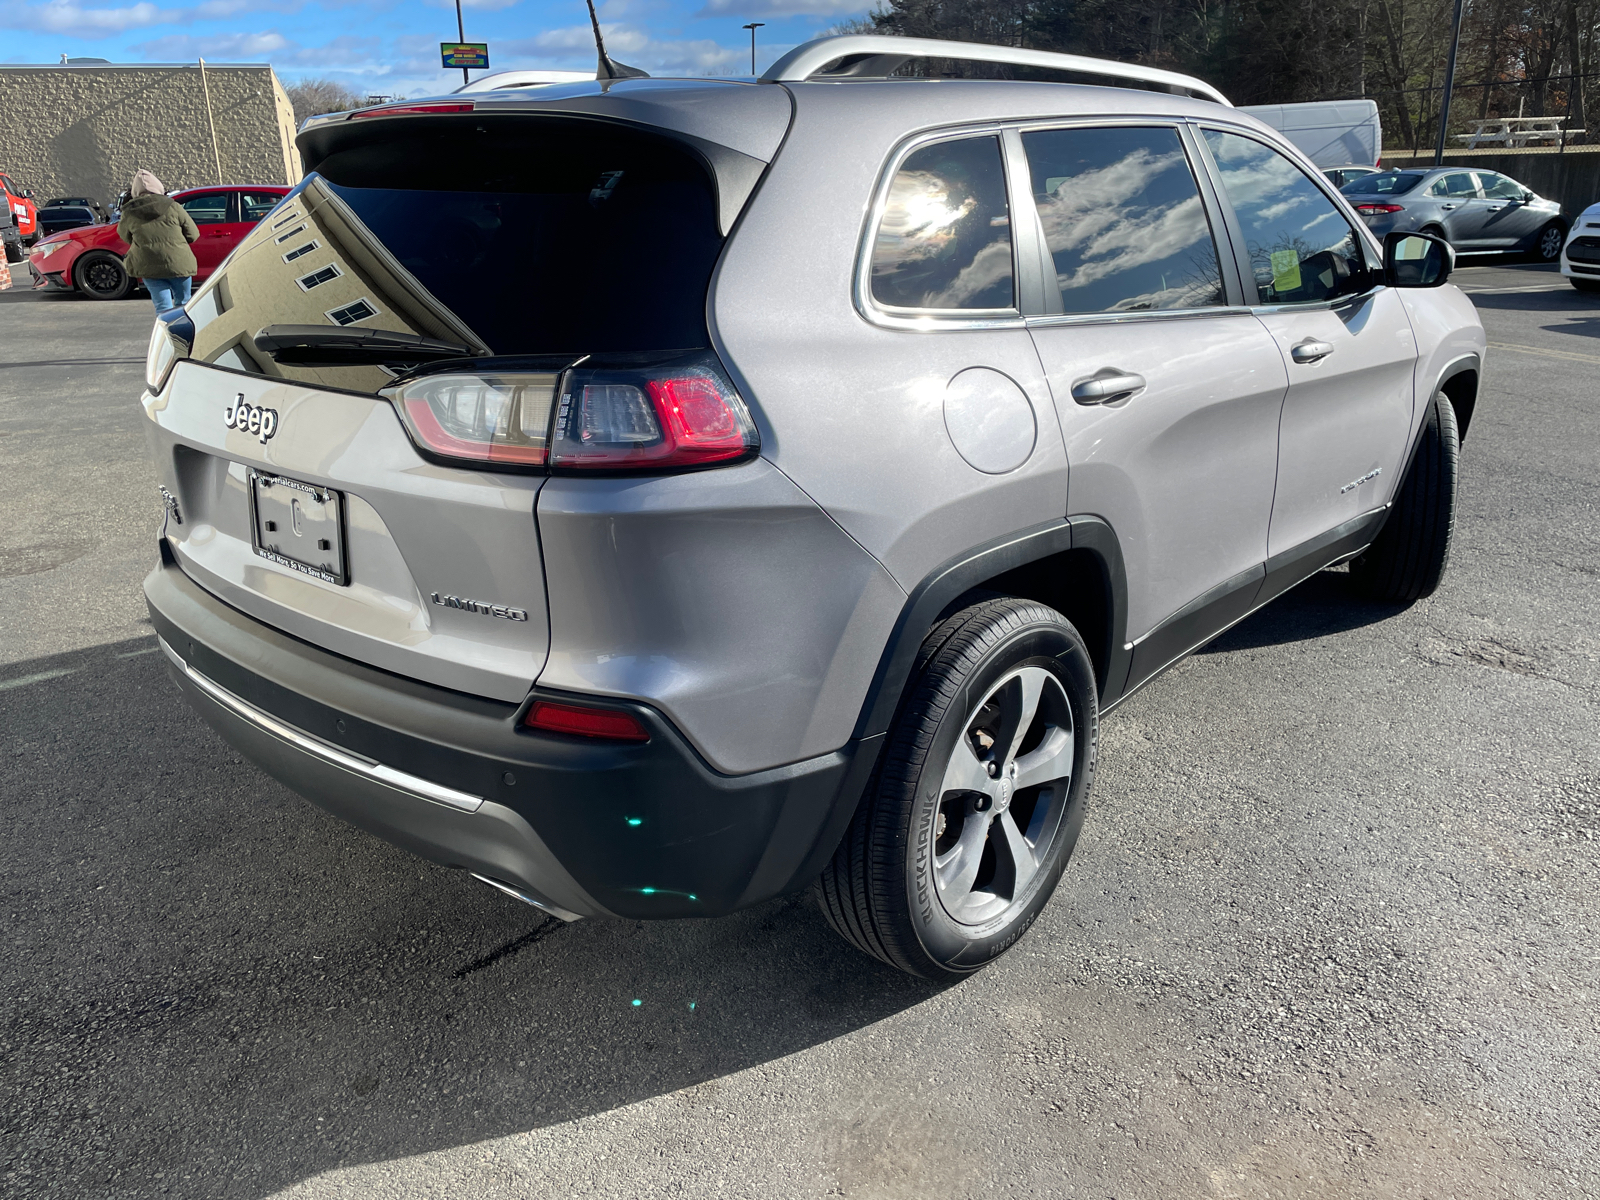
{"x": 171, "y": 339}
{"x": 1378, "y": 210}
{"x": 609, "y": 723}
{"x": 674, "y": 415}
{"x": 481, "y": 418}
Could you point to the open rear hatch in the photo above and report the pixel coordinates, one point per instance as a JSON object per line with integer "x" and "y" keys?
{"x": 354, "y": 418}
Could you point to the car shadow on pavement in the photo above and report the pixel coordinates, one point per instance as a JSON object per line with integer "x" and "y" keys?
{"x": 215, "y": 989}
{"x": 1552, "y": 300}
{"x": 1325, "y": 604}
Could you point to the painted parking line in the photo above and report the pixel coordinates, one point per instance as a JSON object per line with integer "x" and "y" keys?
{"x": 1569, "y": 355}
{"x": 24, "y": 680}
{"x": 1541, "y": 287}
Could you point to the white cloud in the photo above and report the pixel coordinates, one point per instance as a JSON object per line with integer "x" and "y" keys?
{"x": 574, "y": 47}
{"x": 75, "y": 20}
{"x": 781, "y": 8}
{"x": 62, "y": 16}
{"x": 225, "y": 47}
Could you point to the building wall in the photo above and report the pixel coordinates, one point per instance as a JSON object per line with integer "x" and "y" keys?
{"x": 84, "y": 130}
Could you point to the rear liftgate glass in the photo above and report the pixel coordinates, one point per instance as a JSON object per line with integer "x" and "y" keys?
{"x": 546, "y": 311}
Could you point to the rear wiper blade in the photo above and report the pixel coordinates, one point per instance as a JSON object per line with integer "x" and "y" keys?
{"x": 323, "y": 345}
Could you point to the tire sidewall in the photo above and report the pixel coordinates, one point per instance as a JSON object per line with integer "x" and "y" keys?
{"x": 81, "y": 276}
{"x": 960, "y": 948}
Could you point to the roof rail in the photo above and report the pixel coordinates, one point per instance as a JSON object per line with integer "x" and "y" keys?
{"x": 869, "y": 54}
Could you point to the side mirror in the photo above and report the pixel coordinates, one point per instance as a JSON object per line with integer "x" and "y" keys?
{"x": 1416, "y": 260}
{"x": 1528, "y": 197}
{"x": 27, "y": 194}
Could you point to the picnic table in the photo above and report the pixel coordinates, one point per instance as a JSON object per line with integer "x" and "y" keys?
{"x": 1516, "y": 131}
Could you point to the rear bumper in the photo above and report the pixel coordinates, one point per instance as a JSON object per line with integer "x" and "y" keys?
{"x": 582, "y": 827}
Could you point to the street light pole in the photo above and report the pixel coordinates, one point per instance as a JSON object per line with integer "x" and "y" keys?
{"x": 752, "y": 27}
{"x": 461, "y": 36}
{"x": 1449, "y": 84}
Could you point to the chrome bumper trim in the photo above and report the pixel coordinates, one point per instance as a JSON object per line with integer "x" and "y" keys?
{"x": 326, "y": 751}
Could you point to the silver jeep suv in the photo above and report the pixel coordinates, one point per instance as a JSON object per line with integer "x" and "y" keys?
{"x": 658, "y": 496}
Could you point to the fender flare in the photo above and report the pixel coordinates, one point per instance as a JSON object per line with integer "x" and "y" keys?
{"x": 965, "y": 571}
{"x": 1464, "y": 364}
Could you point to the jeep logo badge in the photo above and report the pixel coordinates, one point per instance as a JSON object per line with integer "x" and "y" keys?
{"x": 247, "y": 418}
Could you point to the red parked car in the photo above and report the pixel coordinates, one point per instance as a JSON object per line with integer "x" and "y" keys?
{"x": 89, "y": 260}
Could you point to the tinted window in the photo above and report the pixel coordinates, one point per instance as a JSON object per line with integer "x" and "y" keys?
{"x": 210, "y": 209}
{"x": 62, "y": 212}
{"x": 1301, "y": 249}
{"x": 1123, "y": 220}
{"x": 1458, "y": 183}
{"x": 1499, "y": 187}
{"x": 945, "y": 238}
{"x": 256, "y": 205}
{"x": 551, "y": 237}
{"x": 1389, "y": 183}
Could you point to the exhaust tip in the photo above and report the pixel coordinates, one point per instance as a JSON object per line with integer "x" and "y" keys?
{"x": 518, "y": 894}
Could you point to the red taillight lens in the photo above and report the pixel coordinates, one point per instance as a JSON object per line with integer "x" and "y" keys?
{"x": 584, "y": 721}
{"x": 400, "y": 110}
{"x": 481, "y": 418}
{"x": 1374, "y": 210}
{"x": 684, "y": 415}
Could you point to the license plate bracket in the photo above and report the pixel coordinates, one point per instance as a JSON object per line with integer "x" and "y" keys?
{"x": 299, "y": 526}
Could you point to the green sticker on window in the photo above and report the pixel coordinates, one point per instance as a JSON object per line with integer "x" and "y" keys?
{"x": 1285, "y": 270}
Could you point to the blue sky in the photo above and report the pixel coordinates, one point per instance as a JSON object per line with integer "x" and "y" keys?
{"x": 393, "y": 48}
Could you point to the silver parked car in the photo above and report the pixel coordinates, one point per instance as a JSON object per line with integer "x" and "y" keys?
{"x": 686, "y": 492}
{"x": 1474, "y": 211}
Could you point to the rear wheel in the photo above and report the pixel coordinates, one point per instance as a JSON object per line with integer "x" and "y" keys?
{"x": 1409, "y": 557}
{"x": 978, "y": 801}
{"x": 1547, "y": 247}
{"x": 100, "y": 275}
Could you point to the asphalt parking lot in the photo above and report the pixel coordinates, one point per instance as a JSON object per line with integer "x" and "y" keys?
{"x": 1330, "y": 931}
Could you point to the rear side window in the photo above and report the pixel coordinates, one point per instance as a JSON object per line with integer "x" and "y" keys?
{"x": 211, "y": 209}
{"x": 1123, "y": 220}
{"x": 1459, "y": 184}
{"x": 1499, "y": 187}
{"x": 1301, "y": 249}
{"x": 1390, "y": 183}
{"x": 255, "y": 205}
{"x": 944, "y": 240}
{"x": 544, "y": 236}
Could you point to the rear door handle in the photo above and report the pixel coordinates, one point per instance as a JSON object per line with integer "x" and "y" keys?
{"x": 1107, "y": 386}
{"x": 1310, "y": 351}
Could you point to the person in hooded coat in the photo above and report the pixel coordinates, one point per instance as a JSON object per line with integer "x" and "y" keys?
{"x": 158, "y": 232}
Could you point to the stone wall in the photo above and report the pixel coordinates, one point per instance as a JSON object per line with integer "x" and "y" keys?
{"x": 84, "y": 130}
{"x": 1571, "y": 177}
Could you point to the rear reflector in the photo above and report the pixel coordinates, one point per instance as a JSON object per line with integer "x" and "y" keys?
{"x": 402, "y": 110}
{"x": 579, "y": 719}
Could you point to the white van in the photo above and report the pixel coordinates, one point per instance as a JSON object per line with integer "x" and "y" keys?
{"x": 1331, "y": 133}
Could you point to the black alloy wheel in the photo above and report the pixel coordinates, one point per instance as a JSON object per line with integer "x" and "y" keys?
{"x": 1547, "y": 248}
{"x": 100, "y": 275}
{"x": 978, "y": 800}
